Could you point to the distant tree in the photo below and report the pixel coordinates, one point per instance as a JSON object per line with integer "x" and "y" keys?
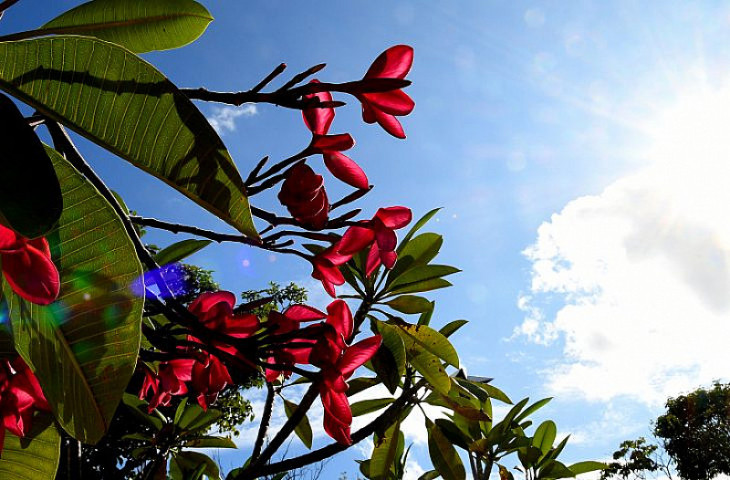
{"x": 696, "y": 432}
{"x": 693, "y": 433}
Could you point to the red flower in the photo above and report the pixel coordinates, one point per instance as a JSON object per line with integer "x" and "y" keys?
{"x": 20, "y": 396}
{"x": 318, "y": 120}
{"x": 287, "y": 322}
{"x": 383, "y": 107}
{"x": 169, "y": 381}
{"x": 209, "y": 376}
{"x": 326, "y": 268}
{"x": 337, "y": 412}
{"x": 303, "y": 194}
{"x": 380, "y": 232}
{"x": 215, "y": 311}
{"x": 28, "y": 268}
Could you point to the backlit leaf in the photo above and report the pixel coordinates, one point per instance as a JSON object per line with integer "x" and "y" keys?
{"x": 303, "y": 429}
{"x": 84, "y": 346}
{"x": 138, "y": 25}
{"x": 35, "y": 456}
{"x": 119, "y": 101}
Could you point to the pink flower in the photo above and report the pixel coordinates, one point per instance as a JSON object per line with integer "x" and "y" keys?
{"x": 326, "y": 269}
{"x": 383, "y": 107}
{"x": 318, "y": 120}
{"x": 215, "y": 311}
{"x": 20, "y": 396}
{"x": 208, "y": 377}
{"x": 303, "y": 194}
{"x": 168, "y": 382}
{"x": 333, "y": 388}
{"x": 28, "y": 268}
{"x": 287, "y": 322}
{"x": 379, "y": 233}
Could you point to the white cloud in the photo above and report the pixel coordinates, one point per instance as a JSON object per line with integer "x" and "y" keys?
{"x": 223, "y": 119}
{"x": 640, "y": 273}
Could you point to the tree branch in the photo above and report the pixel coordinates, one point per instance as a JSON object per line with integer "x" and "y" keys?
{"x": 265, "y": 419}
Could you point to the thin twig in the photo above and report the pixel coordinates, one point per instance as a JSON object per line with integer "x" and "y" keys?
{"x": 278, "y": 70}
{"x": 200, "y": 232}
{"x": 265, "y": 419}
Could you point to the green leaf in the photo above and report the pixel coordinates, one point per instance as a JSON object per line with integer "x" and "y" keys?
{"x": 444, "y": 456}
{"x": 409, "y": 304}
{"x": 384, "y": 453}
{"x": 417, "y": 252}
{"x": 195, "y": 418}
{"x": 180, "y": 250}
{"x": 393, "y": 341}
{"x": 451, "y": 327}
{"x": 34, "y": 456}
{"x": 422, "y": 337}
{"x": 587, "y": 466}
{"x": 207, "y": 441}
{"x": 188, "y": 465}
{"x": 545, "y": 436}
{"x": 139, "y": 409}
{"x": 495, "y": 393}
{"x": 139, "y": 25}
{"x": 432, "y": 370}
{"x": 119, "y": 101}
{"x": 532, "y": 409}
{"x": 360, "y": 384}
{"x": 364, "y": 407}
{"x": 425, "y": 317}
{"x": 416, "y": 227}
{"x": 417, "y": 287}
{"x": 555, "y": 469}
{"x": 303, "y": 428}
{"x": 453, "y": 433}
{"x": 421, "y": 274}
{"x": 430, "y": 475}
{"x": 84, "y": 346}
{"x": 30, "y": 195}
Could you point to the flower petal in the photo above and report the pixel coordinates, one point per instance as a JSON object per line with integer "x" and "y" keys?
{"x": 358, "y": 354}
{"x": 394, "y": 217}
{"x": 394, "y": 102}
{"x": 318, "y": 120}
{"x": 31, "y": 274}
{"x": 389, "y": 123}
{"x": 345, "y": 169}
{"x": 386, "y": 239}
{"x": 304, "y": 313}
{"x": 336, "y": 143}
{"x": 355, "y": 239}
{"x": 395, "y": 62}
{"x": 373, "y": 260}
{"x": 340, "y": 317}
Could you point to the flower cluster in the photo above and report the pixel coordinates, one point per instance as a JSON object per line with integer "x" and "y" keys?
{"x": 20, "y": 397}
{"x": 302, "y": 192}
{"x": 28, "y": 268}
{"x": 334, "y": 356}
{"x": 199, "y": 372}
{"x": 377, "y": 234}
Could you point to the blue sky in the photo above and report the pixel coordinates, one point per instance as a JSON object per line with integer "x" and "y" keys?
{"x": 577, "y": 150}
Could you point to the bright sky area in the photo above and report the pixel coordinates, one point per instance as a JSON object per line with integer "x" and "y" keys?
{"x": 579, "y": 152}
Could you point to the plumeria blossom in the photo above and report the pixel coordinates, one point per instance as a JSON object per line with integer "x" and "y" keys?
{"x": 303, "y": 194}
{"x": 208, "y": 377}
{"x": 333, "y": 388}
{"x": 20, "y": 397}
{"x": 383, "y": 107}
{"x": 28, "y": 268}
{"x": 287, "y": 322}
{"x": 318, "y": 120}
{"x": 170, "y": 380}
{"x": 379, "y": 234}
{"x": 325, "y": 268}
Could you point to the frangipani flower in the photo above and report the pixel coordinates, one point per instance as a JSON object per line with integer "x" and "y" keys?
{"x": 20, "y": 396}
{"x": 379, "y": 232}
{"x": 27, "y": 267}
{"x": 318, "y": 120}
{"x": 383, "y": 107}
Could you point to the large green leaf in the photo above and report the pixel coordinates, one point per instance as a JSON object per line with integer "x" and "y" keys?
{"x": 418, "y": 251}
{"x": 35, "y": 456}
{"x": 180, "y": 250}
{"x": 416, "y": 227}
{"x": 443, "y": 454}
{"x": 364, "y": 407}
{"x": 139, "y": 25}
{"x": 30, "y": 196}
{"x": 84, "y": 346}
{"x": 432, "y": 370}
{"x": 587, "y": 466}
{"x": 545, "y": 436}
{"x": 422, "y": 337}
{"x": 384, "y": 453}
{"x": 114, "y": 98}
{"x": 410, "y": 304}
